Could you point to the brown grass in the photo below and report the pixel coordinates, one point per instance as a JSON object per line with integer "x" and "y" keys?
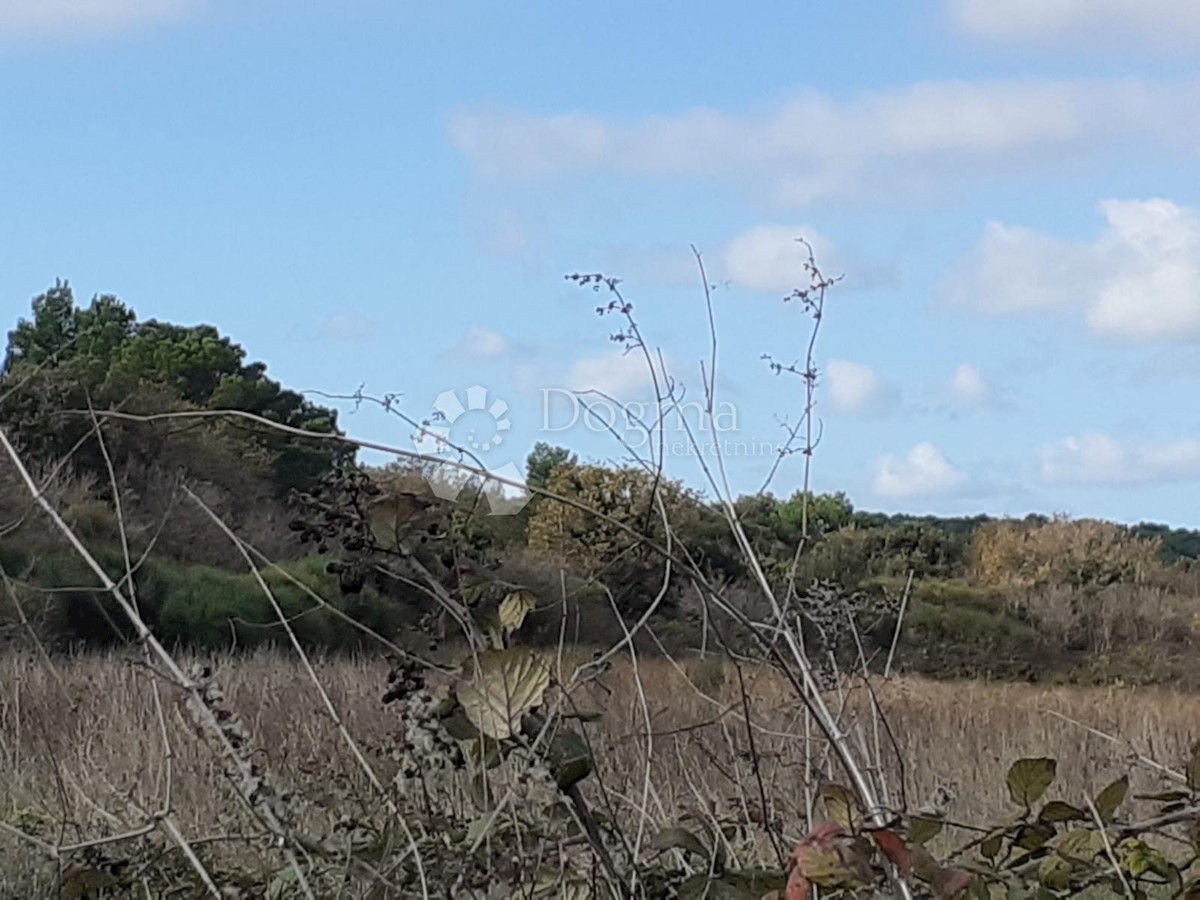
{"x": 81, "y": 758}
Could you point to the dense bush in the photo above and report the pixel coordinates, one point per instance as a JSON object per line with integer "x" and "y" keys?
{"x": 192, "y": 606}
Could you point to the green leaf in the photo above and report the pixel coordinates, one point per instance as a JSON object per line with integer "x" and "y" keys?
{"x": 1111, "y": 797}
{"x": 1055, "y": 873}
{"x": 459, "y": 727}
{"x": 570, "y": 758}
{"x": 500, "y": 686}
{"x": 280, "y": 882}
{"x": 1058, "y": 811}
{"x": 1193, "y": 768}
{"x": 1082, "y": 844}
{"x": 1028, "y": 779}
{"x": 1035, "y": 836}
{"x": 677, "y": 838}
{"x": 840, "y": 805}
{"x": 751, "y": 884}
{"x": 1165, "y": 796}
{"x": 923, "y": 829}
{"x": 991, "y": 846}
{"x": 1142, "y": 859}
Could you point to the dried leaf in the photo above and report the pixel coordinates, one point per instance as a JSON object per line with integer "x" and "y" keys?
{"x": 499, "y": 686}
{"x": 514, "y": 608}
{"x": 840, "y": 805}
{"x": 950, "y": 883}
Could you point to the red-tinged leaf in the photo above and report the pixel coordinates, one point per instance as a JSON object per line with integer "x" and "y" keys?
{"x": 827, "y": 857}
{"x": 798, "y": 887}
{"x": 924, "y": 866}
{"x": 893, "y": 847}
{"x": 950, "y": 883}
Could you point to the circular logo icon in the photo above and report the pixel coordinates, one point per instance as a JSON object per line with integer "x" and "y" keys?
{"x": 470, "y": 426}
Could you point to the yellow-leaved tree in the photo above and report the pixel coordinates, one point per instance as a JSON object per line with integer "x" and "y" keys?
{"x": 598, "y": 547}
{"x": 1077, "y": 552}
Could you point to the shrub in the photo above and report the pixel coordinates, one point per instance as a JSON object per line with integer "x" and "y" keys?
{"x": 1061, "y": 551}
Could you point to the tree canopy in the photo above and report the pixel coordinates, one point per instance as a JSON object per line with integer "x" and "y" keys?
{"x": 65, "y": 355}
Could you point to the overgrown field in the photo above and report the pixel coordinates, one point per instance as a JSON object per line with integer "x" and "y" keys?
{"x": 82, "y": 755}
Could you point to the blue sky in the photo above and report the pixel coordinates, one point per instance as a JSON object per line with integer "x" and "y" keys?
{"x": 389, "y": 194}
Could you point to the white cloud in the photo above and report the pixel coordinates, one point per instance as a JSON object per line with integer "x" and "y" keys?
{"x": 857, "y": 388}
{"x": 923, "y": 472}
{"x": 46, "y": 16}
{"x": 815, "y": 147}
{"x": 770, "y": 258}
{"x": 616, "y": 374}
{"x": 968, "y": 388}
{"x": 1097, "y": 458}
{"x": 480, "y": 343}
{"x": 347, "y": 326}
{"x": 1138, "y": 282}
{"x": 1157, "y": 22}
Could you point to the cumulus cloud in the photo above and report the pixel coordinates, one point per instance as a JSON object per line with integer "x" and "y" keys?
{"x": 1137, "y": 282}
{"x": 1157, "y": 22}
{"x": 857, "y": 388}
{"x": 968, "y": 388}
{"x": 480, "y": 343}
{"x": 771, "y": 258}
{"x": 921, "y": 473}
{"x": 814, "y": 146}
{"x": 1098, "y": 458}
{"x": 618, "y": 375}
{"x": 73, "y": 16}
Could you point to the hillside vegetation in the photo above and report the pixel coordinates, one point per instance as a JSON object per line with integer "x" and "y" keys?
{"x": 1040, "y": 598}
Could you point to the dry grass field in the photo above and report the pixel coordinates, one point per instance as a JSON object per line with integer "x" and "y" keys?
{"x": 81, "y": 754}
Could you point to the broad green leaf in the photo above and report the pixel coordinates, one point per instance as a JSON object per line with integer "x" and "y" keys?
{"x": 1193, "y": 768}
{"x": 1058, "y": 811}
{"x": 1111, "y": 797}
{"x": 570, "y": 758}
{"x": 459, "y": 727}
{"x": 923, "y": 829}
{"x": 751, "y": 884}
{"x": 500, "y": 686}
{"x": 679, "y": 839}
{"x": 1141, "y": 859}
{"x": 991, "y": 846}
{"x": 1055, "y": 873}
{"x": 1035, "y": 836}
{"x": 514, "y": 608}
{"x": 1029, "y": 778}
{"x": 280, "y": 882}
{"x": 1082, "y": 844}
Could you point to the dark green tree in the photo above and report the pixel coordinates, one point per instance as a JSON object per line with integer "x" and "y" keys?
{"x": 64, "y": 356}
{"x": 543, "y": 460}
